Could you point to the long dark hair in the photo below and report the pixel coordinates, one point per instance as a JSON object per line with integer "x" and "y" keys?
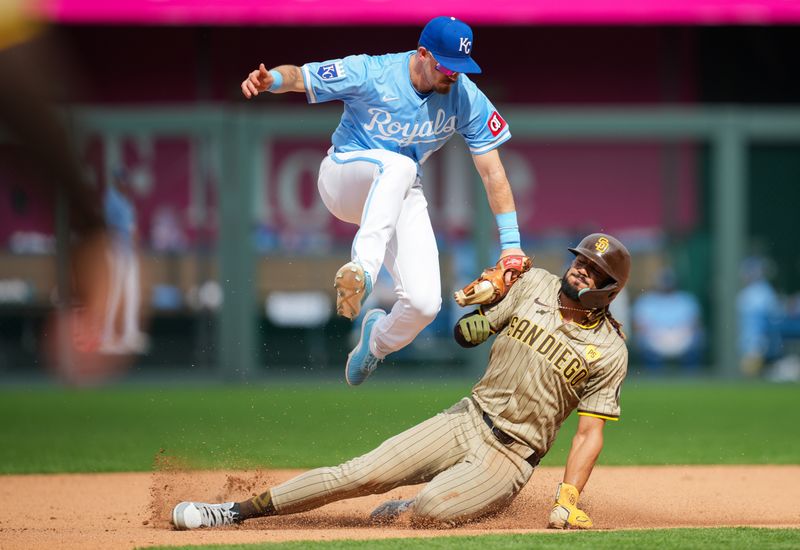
{"x": 604, "y": 313}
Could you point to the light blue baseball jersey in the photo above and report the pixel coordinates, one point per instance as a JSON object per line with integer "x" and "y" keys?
{"x": 382, "y": 110}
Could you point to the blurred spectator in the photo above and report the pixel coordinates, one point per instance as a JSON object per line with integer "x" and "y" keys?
{"x": 667, "y": 325}
{"x": 166, "y": 233}
{"x": 124, "y": 290}
{"x": 760, "y": 313}
{"x": 785, "y": 369}
{"x": 167, "y": 237}
{"x": 29, "y": 119}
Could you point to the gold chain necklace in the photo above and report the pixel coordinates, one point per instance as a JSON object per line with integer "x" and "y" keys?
{"x": 570, "y": 308}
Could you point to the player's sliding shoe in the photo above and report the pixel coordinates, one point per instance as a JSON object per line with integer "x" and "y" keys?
{"x": 361, "y": 361}
{"x": 352, "y": 285}
{"x": 192, "y": 515}
{"x": 390, "y": 510}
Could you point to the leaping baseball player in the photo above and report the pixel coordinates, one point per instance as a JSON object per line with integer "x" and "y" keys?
{"x": 557, "y": 348}
{"x": 399, "y": 109}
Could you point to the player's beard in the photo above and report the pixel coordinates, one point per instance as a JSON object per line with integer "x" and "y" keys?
{"x": 569, "y": 291}
{"x": 444, "y": 86}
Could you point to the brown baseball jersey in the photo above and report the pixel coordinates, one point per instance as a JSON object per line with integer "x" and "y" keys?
{"x": 542, "y": 367}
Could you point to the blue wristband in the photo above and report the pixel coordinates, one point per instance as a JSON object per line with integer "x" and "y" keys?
{"x": 278, "y": 81}
{"x": 509, "y": 230}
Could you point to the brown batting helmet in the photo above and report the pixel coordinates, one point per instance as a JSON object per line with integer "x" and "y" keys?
{"x": 611, "y": 256}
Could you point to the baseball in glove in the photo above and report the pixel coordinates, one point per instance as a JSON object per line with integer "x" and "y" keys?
{"x": 494, "y": 283}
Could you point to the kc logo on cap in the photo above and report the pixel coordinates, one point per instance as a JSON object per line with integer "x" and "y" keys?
{"x": 450, "y": 41}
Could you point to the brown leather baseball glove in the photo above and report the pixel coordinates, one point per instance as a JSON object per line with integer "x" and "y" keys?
{"x": 494, "y": 283}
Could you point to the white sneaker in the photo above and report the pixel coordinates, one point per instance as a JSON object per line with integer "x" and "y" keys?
{"x": 191, "y": 515}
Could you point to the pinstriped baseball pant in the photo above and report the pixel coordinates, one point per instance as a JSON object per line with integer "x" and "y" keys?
{"x": 379, "y": 191}
{"x": 468, "y": 472}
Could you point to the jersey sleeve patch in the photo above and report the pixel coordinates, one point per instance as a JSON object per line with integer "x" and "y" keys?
{"x": 496, "y": 124}
{"x": 331, "y": 72}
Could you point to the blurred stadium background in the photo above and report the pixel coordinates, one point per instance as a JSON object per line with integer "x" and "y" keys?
{"x": 675, "y": 128}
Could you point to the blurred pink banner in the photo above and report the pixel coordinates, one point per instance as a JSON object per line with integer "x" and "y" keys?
{"x": 289, "y": 213}
{"x": 391, "y": 12}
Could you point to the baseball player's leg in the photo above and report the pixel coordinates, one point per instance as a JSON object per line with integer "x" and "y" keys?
{"x": 486, "y": 482}
{"x": 412, "y": 260}
{"x": 128, "y": 291}
{"x": 367, "y": 188}
{"x": 117, "y": 271}
{"x": 344, "y": 187}
{"x": 414, "y": 456}
{"x": 133, "y": 337}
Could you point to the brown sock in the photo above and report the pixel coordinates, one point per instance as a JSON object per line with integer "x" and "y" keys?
{"x": 256, "y": 507}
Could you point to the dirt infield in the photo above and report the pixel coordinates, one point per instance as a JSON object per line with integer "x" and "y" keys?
{"x": 132, "y": 509}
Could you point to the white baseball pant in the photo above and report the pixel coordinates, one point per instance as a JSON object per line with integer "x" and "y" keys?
{"x": 379, "y": 191}
{"x": 124, "y": 267}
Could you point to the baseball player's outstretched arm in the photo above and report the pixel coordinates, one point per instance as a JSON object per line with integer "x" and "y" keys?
{"x": 498, "y": 190}
{"x": 285, "y": 78}
{"x": 586, "y": 447}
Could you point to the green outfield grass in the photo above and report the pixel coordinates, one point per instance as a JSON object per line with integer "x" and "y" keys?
{"x": 745, "y": 538}
{"x": 312, "y": 424}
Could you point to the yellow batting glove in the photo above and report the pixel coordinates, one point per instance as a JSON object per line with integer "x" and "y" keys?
{"x": 565, "y": 513}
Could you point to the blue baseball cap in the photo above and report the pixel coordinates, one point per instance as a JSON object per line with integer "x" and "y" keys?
{"x": 450, "y": 42}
